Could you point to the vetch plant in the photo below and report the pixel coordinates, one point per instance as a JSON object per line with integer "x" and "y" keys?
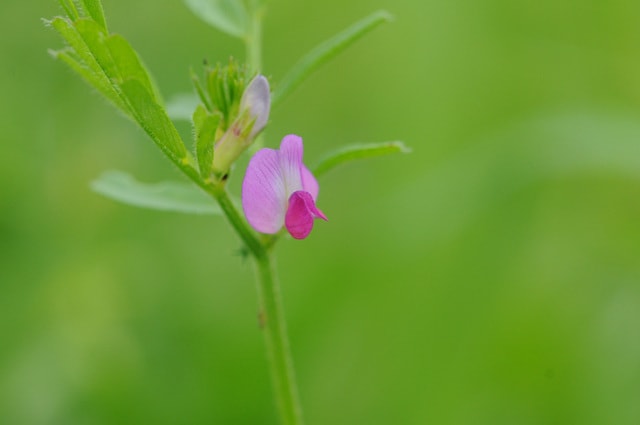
{"x": 229, "y": 111}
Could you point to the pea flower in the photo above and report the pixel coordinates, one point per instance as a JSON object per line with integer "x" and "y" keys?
{"x": 278, "y": 190}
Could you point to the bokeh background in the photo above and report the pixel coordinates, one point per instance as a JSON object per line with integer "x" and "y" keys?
{"x": 490, "y": 277}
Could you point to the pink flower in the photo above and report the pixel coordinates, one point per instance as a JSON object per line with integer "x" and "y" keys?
{"x": 278, "y": 190}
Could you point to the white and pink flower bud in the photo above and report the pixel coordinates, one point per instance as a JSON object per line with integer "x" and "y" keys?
{"x": 253, "y": 116}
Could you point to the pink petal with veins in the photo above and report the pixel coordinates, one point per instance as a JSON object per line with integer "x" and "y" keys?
{"x": 297, "y": 176}
{"x": 264, "y": 198}
{"x": 291, "y": 162}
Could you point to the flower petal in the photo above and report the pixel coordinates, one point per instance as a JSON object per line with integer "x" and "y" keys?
{"x": 309, "y": 183}
{"x": 257, "y": 98}
{"x": 291, "y": 163}
{"x": 264, "y": 198}
{"x": 300, "y": 214}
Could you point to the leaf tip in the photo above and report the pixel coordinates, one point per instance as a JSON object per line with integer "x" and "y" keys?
{"x": 402, "y": 148}
{"x": 385, "y": 15}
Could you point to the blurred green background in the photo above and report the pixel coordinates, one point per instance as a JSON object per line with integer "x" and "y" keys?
{"x": 491, "y": 277}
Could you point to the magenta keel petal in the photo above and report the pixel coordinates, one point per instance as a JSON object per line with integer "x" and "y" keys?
{"x": 300, "y": 214}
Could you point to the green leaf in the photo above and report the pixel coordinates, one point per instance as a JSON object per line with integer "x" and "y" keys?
{"x": 200, "y": 91}
{"x": 129, "y": 66}
{"x": 69, "y": 8}
{"x": 325, "y": 51}
{"x": 95, "y": 10}
{"x": 360, "y": 151}
{"x": 228, "y": 16}
{"x": 154, "y": 120}
{"x": 76, "y": 41}
{"x": 97, "y": 80}
{"x": 115, "y": 56}
{"x": 111, "y": 65}
{"x": 81, "y": 58}
{"x": 94, "y": 38}
{"x": 165, "y": 196}
{"x": 111, "y": 59}
{"x": 205, "y": 125}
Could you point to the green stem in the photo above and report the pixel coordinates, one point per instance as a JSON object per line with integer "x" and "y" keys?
{"x": 271, "y": 313}
{"x": 253, "y": 42}
{"x": 238, "y": 222}
{"x": 275, "y": 333}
